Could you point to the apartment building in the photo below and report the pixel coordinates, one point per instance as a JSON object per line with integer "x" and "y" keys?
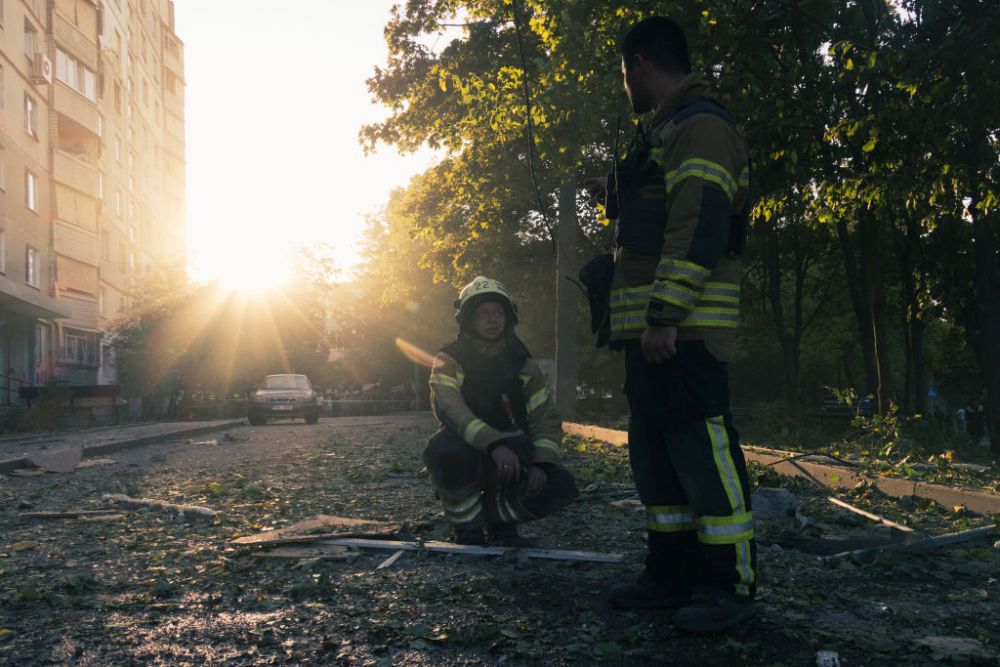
{"x": 92, "y": 171}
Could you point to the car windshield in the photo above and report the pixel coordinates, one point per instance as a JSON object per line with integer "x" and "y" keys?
{"x": 286, "y": 382}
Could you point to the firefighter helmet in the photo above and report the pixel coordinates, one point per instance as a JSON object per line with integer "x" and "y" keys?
{"x": 480, "y": 290}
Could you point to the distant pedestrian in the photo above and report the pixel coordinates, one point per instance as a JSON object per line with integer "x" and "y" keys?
{"x": 495, "y": 461}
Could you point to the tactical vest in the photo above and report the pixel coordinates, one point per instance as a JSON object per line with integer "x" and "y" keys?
{"x": 487, "y": 380}
{"x": 636, "y": 197}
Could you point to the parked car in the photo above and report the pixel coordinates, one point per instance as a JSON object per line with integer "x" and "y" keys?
{"x": 284, "y": 396}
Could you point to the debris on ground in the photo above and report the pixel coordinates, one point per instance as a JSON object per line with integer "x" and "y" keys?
{"x": 183, "y": 513}
{"x": 827, "y": 659}
{"x": 61, "y": 460}
{"x": 770, "y": 504}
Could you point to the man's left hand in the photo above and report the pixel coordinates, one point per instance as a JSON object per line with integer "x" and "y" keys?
{"x": 536, "y": 479}
{"x": 659, "y": 344}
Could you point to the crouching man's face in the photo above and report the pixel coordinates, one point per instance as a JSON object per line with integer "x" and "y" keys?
{"x": 489, "y": 320}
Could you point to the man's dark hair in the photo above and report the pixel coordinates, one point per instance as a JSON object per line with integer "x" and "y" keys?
{"x": 661, "y": 41}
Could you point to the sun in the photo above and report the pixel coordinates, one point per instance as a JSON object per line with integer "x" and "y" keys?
{"x": 245, "y": 265}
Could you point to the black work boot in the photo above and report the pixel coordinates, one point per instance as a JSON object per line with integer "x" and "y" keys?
{"x": 504, "y": 535}
{"x": 647, "y": 592}
{"x": 714, "y": 610}
{"x": 472, "y": 535}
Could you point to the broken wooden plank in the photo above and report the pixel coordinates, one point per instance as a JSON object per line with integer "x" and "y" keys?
{"x": 323, "y": 552}
{"x": 71, "y": 514}
{"x": 184, "y": 513}
{"x": 90, "y": 463}
{"x": 391, "y": 560}
{"x": 868, "y": 515}
{"x": 928, "y": 544}
{"x": 27, "y": 472}
{"x": 306, "y": 531}
{"x": 472, "y": 550}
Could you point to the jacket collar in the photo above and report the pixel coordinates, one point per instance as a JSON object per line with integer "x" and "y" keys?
{"x": 693, "y": 85}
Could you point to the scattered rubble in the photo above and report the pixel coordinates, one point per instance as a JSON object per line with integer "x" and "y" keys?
{"x": 771, "y": 504}
{"x": 183, "y": 513}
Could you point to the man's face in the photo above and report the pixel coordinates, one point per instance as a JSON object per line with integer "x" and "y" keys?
{"x": 633, "y": 82}
{"x": 489, "y": 320}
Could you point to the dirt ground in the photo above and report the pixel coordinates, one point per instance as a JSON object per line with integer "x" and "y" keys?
{"x": 147, "y": 590}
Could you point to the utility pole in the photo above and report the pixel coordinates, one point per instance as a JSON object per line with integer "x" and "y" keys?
{"x": 566, "y": 302}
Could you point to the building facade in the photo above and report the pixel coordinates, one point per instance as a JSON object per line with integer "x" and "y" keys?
{"x": 91, "y": 177}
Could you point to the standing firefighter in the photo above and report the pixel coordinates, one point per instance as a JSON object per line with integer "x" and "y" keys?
{"x": 681, "y": 208}
{"x": 495, "y": 461}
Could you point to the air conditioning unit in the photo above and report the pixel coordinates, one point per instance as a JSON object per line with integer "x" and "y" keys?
{"x": 41, "y": 69}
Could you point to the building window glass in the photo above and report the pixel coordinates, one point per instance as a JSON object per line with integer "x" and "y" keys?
{"x": 79, "y": 347}
{"x": 31, "y": 191}
{"x": 31, "y": 266}
{"x": 30, "y": 39}
{"x": 30, "y": 115}
{"x": 76, "y": 75}
{"x": 3, "y": 251}
{"x": 3, "y": 169}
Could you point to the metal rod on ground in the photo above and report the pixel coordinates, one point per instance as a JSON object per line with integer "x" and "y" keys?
{"x": 869, "y": 515}
{"x": 921, "y": 545}
{"x": 471, "y": 550}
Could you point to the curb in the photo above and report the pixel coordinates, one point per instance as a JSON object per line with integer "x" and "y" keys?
{"x": 6, "y": 465}
{"x": 830, "y": 475}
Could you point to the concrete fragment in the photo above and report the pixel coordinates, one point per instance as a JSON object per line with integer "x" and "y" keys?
{"x": 770, "y": 504}
{"x": 959, "y": 647}
{"x": 26, "y": 545}
{"x": 827, "y": 659}
{"x": 62, "y": 460}
{"x": 183, "y": 513}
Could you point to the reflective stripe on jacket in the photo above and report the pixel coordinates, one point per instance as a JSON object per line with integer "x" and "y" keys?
{"x": 694, "y": 283}
{"x": 544, "y": 423}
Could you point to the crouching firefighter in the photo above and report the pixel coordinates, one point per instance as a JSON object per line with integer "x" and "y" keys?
{"x": 495, "y": 460}
{"x": 680, "y": 200}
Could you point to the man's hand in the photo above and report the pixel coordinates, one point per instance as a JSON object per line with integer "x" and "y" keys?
{"x": 507, "y": 463}
{"x": 536, "y": 479}
{"x": 597, "y": 187}
{"x": 659, "y": 344}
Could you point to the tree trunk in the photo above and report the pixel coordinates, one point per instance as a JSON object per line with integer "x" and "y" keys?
{"x": 789, "y": 350}
{"x": 566, "y": 303}
{"x": 862, "y": 312}
{"x": 987, "y": 281}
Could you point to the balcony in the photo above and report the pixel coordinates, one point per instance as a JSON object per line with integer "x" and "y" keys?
{"x": 75, "y": 243}
{"x": 75, "y": 173}
{"x": 174, "y": 103}
{"x": 173, "y": 144}
{"x": 72, "y": 41}
{"x": 76, "y": 107}
{"x": 174, "y": 63}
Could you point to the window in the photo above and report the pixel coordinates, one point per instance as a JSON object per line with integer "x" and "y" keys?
{"x": 30, "y": 115}
{"x": 105, "y": 244}
{"x": 79, "y": 347}
{"x": 31, "y": 260}
{"x": 118, "y": 148}
{"x": 118, "y": 97}
{"x": 3, "y": 168}
{"x": 101, "y": 300}
{"x": 30, "y": 39}
{"x": 31, "y": 191}
{"x": 1, "y": 13}
{"x": 118, "y": 203}
{"x": 121, "y": 256}
{"x": 100, "y": 185}
{"x": 3, "y": 246}
{"x": 121, "y": 304}
{"x": 3, "y": 97}
{"x": 76, "y": 75}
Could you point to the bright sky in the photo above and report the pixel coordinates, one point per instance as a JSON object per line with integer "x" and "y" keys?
{"x": 275, "y": 98}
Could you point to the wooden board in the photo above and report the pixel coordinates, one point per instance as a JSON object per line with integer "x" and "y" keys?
{"x": 471, "y": 550}
{"x": 321, "y": 526}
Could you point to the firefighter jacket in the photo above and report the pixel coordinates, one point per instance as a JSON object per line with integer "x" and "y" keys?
{"x": 486, "y": 391}
{"x": 681, "y": 207}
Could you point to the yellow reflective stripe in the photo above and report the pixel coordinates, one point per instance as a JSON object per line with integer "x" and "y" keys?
{"x": 472, "y": 430}
{"x": 745, "y": 177}
{"x": 679, "y": 270}
{"x": 721, "y": 292}
{"x": 466, "y": 517}
{"x": 675, "y": 293}
{"x": 538, "y": 399}
{"x": 669, "y": 518}
{"x": 736, "y": 529}
{"x": 724, "y": 465}
{"x": 720, "y": 317}
{"x": 525, "y": 379}
{"x": 463, "y": 505}
{"x": 630, "y": 295}
{"x": 656, "y": 155}
{"x": 445, "y": 381}
{"x": 545, "y": 443}
{"x": 705, "y": 169}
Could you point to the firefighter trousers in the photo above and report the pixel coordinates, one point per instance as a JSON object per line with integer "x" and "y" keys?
{"x": 690, "y": 471}
{"x": 466, "y": 483}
